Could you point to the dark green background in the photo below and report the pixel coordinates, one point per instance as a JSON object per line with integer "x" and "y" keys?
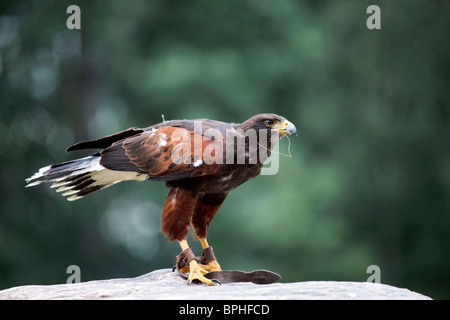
{"x": 369, "y": 178}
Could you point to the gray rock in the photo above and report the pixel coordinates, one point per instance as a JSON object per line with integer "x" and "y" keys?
{"x": 165, "y": 284}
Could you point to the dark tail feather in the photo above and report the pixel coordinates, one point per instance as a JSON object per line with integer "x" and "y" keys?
{"x": 105, "y": 142}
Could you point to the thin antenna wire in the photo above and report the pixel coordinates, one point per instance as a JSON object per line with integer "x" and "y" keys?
{"x": 288, "y": 155}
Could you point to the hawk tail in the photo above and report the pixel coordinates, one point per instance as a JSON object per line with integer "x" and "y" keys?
{"x": 72, "y": 177}
{"x": 80, "y": 177}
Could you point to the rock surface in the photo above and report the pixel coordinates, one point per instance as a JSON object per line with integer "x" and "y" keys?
{"x": 164, "y": 284}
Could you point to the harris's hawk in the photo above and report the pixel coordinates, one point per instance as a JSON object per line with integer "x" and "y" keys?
{"x": 201, "y": 161}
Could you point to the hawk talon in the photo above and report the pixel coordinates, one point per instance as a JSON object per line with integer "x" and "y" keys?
{"x": 186, "y": 262}
{"x": 211, "y": 266}
{"x": 196, "y": 274}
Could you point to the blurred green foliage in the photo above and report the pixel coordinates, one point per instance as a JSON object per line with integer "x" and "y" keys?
{"x": 369, "y": 178}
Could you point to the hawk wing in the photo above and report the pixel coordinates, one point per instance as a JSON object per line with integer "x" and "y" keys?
{"x": 166, "y": 153}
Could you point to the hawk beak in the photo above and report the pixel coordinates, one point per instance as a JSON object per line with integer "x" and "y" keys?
{"x": 290, "y": 128}
{"x": 285, "y": 127}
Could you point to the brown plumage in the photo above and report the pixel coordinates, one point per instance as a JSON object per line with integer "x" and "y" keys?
{"x": 201, "y": 161}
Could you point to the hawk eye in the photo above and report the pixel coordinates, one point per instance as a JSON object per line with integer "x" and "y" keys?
{"x": 269, "y": 123}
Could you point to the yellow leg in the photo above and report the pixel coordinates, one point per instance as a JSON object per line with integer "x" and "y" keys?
{"x": 195, "y": 271}
{"x": 204, "y": 243}
{"x": 183, "y": 244}
{"x": 212, "y": 265}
